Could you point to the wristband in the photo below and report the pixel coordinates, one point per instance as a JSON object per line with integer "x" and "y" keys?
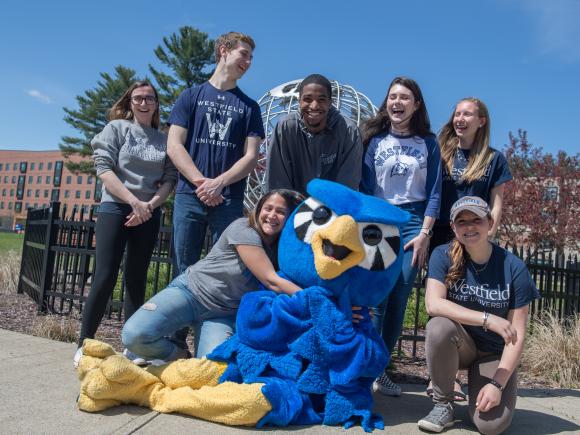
{"x": 485, "y": 317}
{"x": 427, "y": 231}
{"x": 496, "y": 384}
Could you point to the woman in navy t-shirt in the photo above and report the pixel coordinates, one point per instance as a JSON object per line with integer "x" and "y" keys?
{"x": 470, "y": 166}
{"x": 478, "y": 295}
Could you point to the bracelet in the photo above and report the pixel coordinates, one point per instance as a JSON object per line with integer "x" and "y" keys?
{"x": 427, "y": 231}
{"x": 485, "y": 317}
{"x": 496, "y": 384}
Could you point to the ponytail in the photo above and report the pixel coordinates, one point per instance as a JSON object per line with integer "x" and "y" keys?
{"x": 459, "y": 259}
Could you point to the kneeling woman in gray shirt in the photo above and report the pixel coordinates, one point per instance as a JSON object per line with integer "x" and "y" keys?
{"x": 209, "y": 292}
{"x": 131, "y": 161}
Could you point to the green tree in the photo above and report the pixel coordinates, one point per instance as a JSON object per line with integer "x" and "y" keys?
{"x": 91, "y": 116}
{"x": 187, "y": 56}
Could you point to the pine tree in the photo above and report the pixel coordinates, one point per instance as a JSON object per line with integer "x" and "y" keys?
{"x": 187, "y": 55}
{"x": 91, "y": 116}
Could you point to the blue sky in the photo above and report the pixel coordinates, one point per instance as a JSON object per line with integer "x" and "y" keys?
{"x": 522, "y": 57}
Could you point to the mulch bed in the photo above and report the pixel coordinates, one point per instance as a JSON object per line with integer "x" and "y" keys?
{"x": 18, "y": 312}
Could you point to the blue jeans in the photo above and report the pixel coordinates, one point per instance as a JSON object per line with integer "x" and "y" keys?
{"x": 191, "y": 217}
{"x": 389, "y": 315}
{"x": 147, "y": 332}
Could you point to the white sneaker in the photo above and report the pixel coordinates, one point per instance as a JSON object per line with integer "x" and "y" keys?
{"x": 77, "y": 357}
{"x": 384, "y": 385}
{"x": 136, "y": 359}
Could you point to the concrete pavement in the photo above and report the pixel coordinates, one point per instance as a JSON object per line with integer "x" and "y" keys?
{"x": 38, "y": 388}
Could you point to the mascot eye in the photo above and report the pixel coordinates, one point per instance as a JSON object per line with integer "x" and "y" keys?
{"x": 372, "y": 235}
{"x": 321, "y": 215}
{"x": 382, "y": 244}
{"x": 311, "y": 216}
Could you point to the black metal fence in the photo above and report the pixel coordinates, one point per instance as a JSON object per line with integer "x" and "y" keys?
{"x": 58, "y": 264}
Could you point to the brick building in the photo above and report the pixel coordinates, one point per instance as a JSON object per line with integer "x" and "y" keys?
{"x": 31, "y": 179}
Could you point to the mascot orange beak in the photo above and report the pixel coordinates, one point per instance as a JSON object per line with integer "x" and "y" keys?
{"x": 337, "y": 248}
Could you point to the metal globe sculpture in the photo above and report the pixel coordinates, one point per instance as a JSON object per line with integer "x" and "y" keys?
{"x": 283, "y": 99}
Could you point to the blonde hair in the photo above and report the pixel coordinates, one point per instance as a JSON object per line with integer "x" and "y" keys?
{"x": 230, "y": 40}
{"x": 122, "y": 107}
{"x": 480, "y": 155}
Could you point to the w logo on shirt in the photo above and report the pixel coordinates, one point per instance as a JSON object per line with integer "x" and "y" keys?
{"x": 400, "y": 169}
{"x": 216, "y": 128}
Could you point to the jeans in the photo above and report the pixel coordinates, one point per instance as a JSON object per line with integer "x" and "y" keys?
{"x": 389, "y": 315}
{"x": 147, "y": 332}
{"x": 191, "y": 217}
{"x": 113, "y": 238}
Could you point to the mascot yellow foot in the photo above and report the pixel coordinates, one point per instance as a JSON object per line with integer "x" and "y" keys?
{"x": 186, "y": 386}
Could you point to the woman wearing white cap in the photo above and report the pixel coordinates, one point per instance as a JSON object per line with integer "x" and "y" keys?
{"x": 478, "y": 295}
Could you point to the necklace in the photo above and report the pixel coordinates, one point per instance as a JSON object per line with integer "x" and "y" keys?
{"x": 476, "y": 270}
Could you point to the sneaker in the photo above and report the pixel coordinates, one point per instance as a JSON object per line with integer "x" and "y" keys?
{"x": 77, "y": 357}
{"x": 440, "y": 417}
{"x": 384, "y": 385}
{"x": 136, "y": 359}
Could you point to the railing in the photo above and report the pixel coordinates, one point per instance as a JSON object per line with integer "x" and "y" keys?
{"x": 58, "y": 264}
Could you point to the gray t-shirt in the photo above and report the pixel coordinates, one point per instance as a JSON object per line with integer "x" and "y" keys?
{"x": 136, "y": 154}
{"x": 220, "y": 279}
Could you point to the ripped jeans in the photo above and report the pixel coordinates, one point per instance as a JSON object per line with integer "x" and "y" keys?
{"x": 147, "y": 333}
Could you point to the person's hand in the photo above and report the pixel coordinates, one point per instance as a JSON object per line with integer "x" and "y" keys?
{"x": 142, "y": 212}
{"x": 489, "y": 397}
{"x": 502, "y": 327}
{"x": 420, "y": 245}
{"x": 357, "y": 317}
{"x": 209, "y": 191}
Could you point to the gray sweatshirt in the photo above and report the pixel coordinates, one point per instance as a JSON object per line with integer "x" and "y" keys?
{"x": 136, "y": 154}
{"x": 296, "y": 156}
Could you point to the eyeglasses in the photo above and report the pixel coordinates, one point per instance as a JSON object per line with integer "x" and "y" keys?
{"x": 138, "y": 99}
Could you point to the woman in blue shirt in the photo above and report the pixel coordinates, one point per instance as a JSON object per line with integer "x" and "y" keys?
{"x": 402, "y": 165}
{"x": 479, "y": 296}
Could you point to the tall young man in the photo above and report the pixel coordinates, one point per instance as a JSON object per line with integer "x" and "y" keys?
{"x": 213, "y": 141}
{"x": 316, "y": 142}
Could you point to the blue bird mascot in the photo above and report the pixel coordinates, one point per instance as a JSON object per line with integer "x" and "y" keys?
{"x": 294, "y": 360}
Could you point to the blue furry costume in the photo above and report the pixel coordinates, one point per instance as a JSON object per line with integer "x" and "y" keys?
{"x": 313, "y": 363}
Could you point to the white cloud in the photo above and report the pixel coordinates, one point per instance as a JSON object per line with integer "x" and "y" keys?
{"x": 39, "y": 96}
{"x": 557, "y": 28}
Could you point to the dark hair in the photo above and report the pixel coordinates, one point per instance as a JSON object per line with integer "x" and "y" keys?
{"x": 420, "y": 124}
{"x": 292, "y": 199}
{"x": 122, "y": 107}
{"x": 316, "y": 79}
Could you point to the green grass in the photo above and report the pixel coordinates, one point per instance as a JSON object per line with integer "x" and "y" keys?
{"x": 409, "y": 321}
{"x": 11, "y": 242}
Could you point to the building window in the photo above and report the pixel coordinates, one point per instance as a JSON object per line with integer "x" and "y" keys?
{"x": 47, "y": 179}
{"x": 9, "y": 206}
{"x": 57, "y": 173}
{"x": 90, "y": 179}
{"x": 87, "y": 194}
{"x": 28, "y": 193}
{"x": 80, "y": 179}
{"x": 85, "y": 209}
{"x": 23, "y": 166}
{"x": 11, "y": 192}
{"x": 54, "y": 195}
{"x": 68, "y": 179}
{"x": 46, "y": 193}
{"x": 32, "y": 166}
{"x": 49, "y": 166}
{"x": 3, "y": 192}
{"x": 14, "y": 178}
{"x": 15, "y": 166}
{"x": 40, "y": 166}
{"x": 78, "y": 194}
{"x": 20, "y": 186}
{"x": 39, "y": 179}
{"x": 1, "y": 166}
{"x": 6, "y": 178}
{"x": 37, "y": 193}
{"x": 30, "y": 179}
{"x": 1, "y": 205}
{"x": 67, "y": 194}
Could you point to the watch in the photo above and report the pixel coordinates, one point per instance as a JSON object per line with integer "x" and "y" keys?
{"x": 496, "y": 384}
{"x": 427, "y": 231}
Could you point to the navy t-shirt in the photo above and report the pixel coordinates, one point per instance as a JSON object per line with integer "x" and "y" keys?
{"x": 503, "y": 284}
{"x": 218, "y": 123}
{"x": 453, "y": 188}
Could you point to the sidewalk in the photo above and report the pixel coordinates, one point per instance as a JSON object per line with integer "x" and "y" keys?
{"x": 38, "y": 388}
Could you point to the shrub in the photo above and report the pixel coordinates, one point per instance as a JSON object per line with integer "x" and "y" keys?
{"x": 552, "y": 349}
{"x": 55, "y": 327}
{"x": 9, "y": 271}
